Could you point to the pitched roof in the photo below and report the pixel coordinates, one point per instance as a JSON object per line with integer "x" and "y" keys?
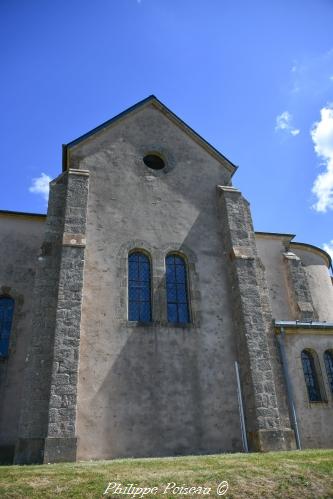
{"x": 167, "y": 112}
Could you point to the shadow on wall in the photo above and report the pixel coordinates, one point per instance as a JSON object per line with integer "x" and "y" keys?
{"x": 172, "y": 390}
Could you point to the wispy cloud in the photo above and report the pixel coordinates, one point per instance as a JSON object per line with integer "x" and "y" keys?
{"x": 322, "y": 136}
{"x": 284, "y": 123}
{"x": 312, "y": 76}
{"x": 329, "y": 248}
{"x": 40, "y": 185}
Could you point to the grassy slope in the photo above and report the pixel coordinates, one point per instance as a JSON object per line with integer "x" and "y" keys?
{"x": 282, "y": 475}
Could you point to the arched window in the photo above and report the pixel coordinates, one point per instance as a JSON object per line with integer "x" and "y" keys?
{"x": 328, "y": 356}
{"x": 139, "y": 288}
{"x": 176, "y": 283}
{"x": 310, "y": 376}
{"x": 6, "y": 319}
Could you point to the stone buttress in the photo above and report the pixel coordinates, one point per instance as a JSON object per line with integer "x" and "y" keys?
{"x": 252, "y": 326}
{"x": 48, "y": 417}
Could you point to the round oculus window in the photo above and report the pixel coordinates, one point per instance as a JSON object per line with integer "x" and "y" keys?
{"x": 154, "y": 162}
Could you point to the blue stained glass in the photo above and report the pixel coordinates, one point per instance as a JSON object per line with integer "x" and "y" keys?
{"x": 182, "y": 312}
{"x": 172, "y": 312}
{"x": 180, "y": 273}
{"x": 171, "y": 293}
{"x": 133, "y": 269}
{"x": 144, "y": 312}
{"x": 177, "y": 296}
{"x": 170, "y": 272}
{"x": 6, "y": 319}
{"x": 310, "y": 376}
{"x": 145, "y": 294}
{"x": 133, "y": 311}
{"x": 139, "y": 291}
{"x": 144, "y": 271}
{"x": 181, "y": 293}
{"x": 328, "y": 356}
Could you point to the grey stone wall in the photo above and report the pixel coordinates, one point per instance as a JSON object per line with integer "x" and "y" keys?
{"x": 298, "y": 288}
{"x": 154, "y": 389}
{"x": 37, "y": 377}
{"x": 252, "y": 325}
{"x": 60, "y": 444}
{"x": 47, "y": 423}
{"x": 20, "y": 240}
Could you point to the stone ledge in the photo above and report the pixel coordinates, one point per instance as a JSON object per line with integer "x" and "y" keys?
{"x": 74, "y": 240}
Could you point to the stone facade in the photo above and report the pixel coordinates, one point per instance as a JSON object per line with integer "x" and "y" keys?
{"x": 97, "y": 385}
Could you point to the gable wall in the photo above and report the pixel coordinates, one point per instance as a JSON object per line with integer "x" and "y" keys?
{"x": 153, "y": 390}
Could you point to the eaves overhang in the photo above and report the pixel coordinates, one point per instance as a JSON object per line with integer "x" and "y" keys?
{"x": 166, "y": 111}
{"x": 299, "y": 327}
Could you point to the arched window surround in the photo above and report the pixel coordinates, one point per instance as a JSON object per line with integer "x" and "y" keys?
{"x": 7, "y": 308}
{"x": 312, "y": 376}
{"x": 139, "y": 290}
{"x": 328, "y": 360}
{"x": 157, "y": 254}
{"x": 182, "y": 316}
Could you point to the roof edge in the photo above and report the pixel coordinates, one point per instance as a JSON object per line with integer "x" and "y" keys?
{"x": 312, "y": 247}
{"x": 22, "y": 213}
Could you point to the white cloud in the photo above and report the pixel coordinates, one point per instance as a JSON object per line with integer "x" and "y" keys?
{"x": 312, "y": 76}
{"x": 322, "y": 136}
{"x": 329, "y": 248}
{"x": 284, "y": 123}
{"x": 40, "y": 185}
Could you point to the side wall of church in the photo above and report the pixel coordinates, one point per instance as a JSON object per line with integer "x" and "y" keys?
{"x": 314, "y": 418}
{"x": 20, "y": 240}
{"x": 159, "y": 388}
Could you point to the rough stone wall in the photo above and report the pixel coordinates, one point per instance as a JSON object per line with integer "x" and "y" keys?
{"x": 37, "y": 376}
{"x": 20, "y": 240}
{"x": 253, "y": 325}
{"x": 154, "y": 389}
{"x": 47, "y": 423}
{"x": 298, "y": 288}
{"x": 61, "y": 433}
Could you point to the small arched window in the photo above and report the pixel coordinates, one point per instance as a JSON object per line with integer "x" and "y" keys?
{"x": 310, "y": 375}
{"x": 328, "y": 357}
{"x": 6, "y": 319}
{"x": 176, "y": 284}
{"x": 139, "y": 287}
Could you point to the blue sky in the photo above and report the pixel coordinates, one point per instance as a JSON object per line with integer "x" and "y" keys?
{"x": 253, "y": 78}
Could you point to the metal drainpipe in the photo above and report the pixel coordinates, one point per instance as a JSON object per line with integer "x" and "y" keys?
{"x": 290, "y": 393}
{"x": 241, "y": 410}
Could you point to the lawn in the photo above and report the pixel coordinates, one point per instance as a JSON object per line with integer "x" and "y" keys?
{"x": 299, "y": 474}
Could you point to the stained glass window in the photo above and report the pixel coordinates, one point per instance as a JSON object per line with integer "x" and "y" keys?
{"x": 6, "y": 319}
{"x": 177, "y": 295}
{"x": 328, "y": 356}
{"x": 139, "y": 289}
{"x": 310, "y": 376}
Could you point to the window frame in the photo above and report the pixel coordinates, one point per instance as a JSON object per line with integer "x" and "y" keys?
{"x": 329, "y": 352}
{"x": 187, "y": 291}
{"x": 7, "y": 352}
{"x": 316, "y": 375}
{"x": 140, "y": 251}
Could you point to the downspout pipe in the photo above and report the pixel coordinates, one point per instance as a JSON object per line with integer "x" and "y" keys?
{"x": 290, "y": 392}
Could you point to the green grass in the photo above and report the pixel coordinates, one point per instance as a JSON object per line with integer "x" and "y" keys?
{"x": 300, "y": 474}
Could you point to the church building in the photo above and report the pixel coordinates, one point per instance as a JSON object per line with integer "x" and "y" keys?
{"x": 144, "y": 316}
